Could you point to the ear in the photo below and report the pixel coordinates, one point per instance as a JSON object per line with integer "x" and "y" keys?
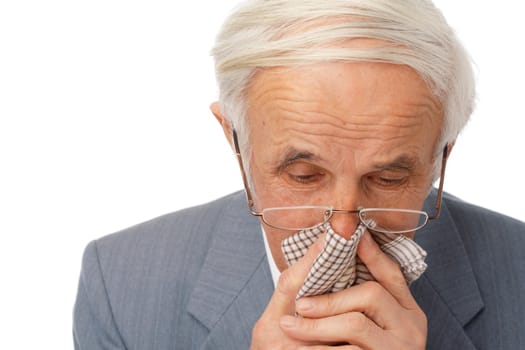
{"x": 225, "y": 123}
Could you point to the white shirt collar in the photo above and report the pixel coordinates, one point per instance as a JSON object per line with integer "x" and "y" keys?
{"x": 273, "y": 267}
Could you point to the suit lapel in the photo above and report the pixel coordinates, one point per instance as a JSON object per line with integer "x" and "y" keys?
{"x": 445, "y": 331}
{"x": 448, "y": 291}
{"x": 234, "y": 329}
{"x": 235, "y": 283}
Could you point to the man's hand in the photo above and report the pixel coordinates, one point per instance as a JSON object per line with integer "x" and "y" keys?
{"x": 373, "y": 315}
{"x": 267, "y": 332}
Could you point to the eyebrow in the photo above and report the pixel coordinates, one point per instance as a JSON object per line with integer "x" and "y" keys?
{"x": 402, "y": 162}
{"x": 293, "y": 155}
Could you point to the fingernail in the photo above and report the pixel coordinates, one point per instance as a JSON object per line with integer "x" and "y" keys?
{"x": 304, "y": 304}
{"x": 288, "y": 321}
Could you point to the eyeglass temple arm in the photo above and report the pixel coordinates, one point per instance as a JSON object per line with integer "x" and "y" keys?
{"x": 441, "y": 182}
{"x": 244, "y": 178}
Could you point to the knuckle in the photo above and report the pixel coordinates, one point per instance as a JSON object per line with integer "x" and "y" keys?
{"x": 423, "y": 320}
{"x": 332, "y": 303}
{"x": 308, "y": 325}
{"x": 374, "y": 289}
{"x": 357, "y": 322}
{"x": 286, "y": 282}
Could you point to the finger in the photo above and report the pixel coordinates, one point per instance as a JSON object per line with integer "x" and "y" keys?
{"x": 352, "y": 328}
{"x": 291, "y": 279}
{"x": 369, "y": 298}
{"x": 386, "y": 271}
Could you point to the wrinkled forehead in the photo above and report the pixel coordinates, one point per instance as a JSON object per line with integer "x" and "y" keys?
{"x": 354, "y": 86}
{"x": 348, "y": 104}
{"x": 394, "y": 76}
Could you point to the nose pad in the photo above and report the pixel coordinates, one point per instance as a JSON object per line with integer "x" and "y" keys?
{"x": 344, "y": 224}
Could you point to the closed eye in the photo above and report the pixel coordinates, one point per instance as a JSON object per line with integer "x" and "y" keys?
{"x": 388, "y": 181}
{"x": 303, "y": 173}
{"x": 305, "y": 178}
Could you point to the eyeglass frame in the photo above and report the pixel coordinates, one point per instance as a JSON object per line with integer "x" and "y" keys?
{"x": 260, "y": 214}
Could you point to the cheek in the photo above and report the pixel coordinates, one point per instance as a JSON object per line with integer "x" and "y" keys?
{"x": 273, "y": 191}
{"x": 258, "y": 183}
{"x": 270, "y": 192}
{"x": 417, "y": 192}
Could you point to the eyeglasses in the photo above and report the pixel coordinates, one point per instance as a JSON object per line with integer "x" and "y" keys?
{"x": 385, "y": 220}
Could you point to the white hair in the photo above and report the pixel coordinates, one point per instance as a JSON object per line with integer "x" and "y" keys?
{"x": 272, "y": 33}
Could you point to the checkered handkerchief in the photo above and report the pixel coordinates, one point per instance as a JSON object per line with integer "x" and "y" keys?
{"x": 337, "y": 267}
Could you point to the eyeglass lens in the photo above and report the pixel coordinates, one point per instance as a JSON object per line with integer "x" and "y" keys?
{"x": 383, "y": 219}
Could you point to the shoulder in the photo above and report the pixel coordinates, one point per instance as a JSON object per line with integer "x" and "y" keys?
{"x": 485, "y": 222}
{"x": 166, "y": 237}
{"x": 494, "y": 244}
{"x": 171, "y": 247}
{"x": 145, "y": 274}
{"x": 490, "y": 238}
{"x": 173, "y": 229}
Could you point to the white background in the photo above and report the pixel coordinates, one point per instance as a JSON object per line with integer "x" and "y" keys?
{"x": 104, "y": 123}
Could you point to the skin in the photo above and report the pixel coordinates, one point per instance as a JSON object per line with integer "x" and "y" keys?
{"x": 346, "y": 135}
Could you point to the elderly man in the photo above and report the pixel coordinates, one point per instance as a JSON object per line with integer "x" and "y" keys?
{"x": 342, "y": 115}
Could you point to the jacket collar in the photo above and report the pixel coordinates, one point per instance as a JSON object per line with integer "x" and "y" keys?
{"x": 235, "y": 283}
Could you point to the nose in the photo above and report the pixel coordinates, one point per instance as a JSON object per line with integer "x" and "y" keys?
{"x": 346, "y": 197}
{"x": 344, "y": 224}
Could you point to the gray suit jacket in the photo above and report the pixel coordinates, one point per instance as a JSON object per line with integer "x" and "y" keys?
{"x": 199, "y": 279}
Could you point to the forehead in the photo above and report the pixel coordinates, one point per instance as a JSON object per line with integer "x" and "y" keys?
{"x": 358, "y": 81}
{"x": 343, "y": 103}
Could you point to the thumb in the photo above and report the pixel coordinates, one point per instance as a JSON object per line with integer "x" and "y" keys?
{"x": 291, "y": 280}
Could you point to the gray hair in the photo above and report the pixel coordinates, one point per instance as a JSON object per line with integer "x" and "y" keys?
{"x": 271, "y": 33}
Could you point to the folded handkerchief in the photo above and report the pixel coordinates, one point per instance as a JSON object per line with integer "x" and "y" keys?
{"x": 337, "y": 267}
